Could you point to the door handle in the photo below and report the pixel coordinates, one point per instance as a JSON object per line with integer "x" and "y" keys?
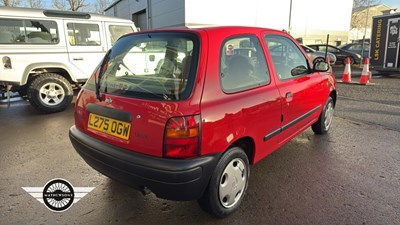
{"x": 79, "y": 58}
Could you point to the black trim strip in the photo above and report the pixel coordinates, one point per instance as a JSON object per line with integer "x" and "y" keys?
{"x": 109, "y": 112}
{"x": 272, "y": 134}
{"x": 287, "y": 126}
{"x": 66, "y": 14}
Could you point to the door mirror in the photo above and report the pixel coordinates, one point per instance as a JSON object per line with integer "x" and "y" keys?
{"x": 321, "y": 67}
{"x": 299, "y": 70}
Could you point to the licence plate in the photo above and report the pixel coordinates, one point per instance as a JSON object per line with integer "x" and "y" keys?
{"x": 116, "y": 128}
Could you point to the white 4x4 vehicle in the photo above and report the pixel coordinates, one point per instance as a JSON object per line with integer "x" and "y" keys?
{"x": 45, "y": 53}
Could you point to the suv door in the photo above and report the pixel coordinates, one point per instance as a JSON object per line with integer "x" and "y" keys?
{"x": 86, "y": 46}
{"x": 300, "y": 89}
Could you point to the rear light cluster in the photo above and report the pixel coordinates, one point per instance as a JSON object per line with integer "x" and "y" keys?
{"x": 181, "y": 138}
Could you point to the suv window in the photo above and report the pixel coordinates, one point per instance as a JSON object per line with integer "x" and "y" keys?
{"x": 242, "y": 64}
{"x": 287, "y": 58}
{"x": 160, "y": 66}
{"x": 17, "y": 31}
{"x": 83, "y": 34}
{"x": 116, "y": 31}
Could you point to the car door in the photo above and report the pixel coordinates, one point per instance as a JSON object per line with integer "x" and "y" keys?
{"x": 86, "y": 46}
{"x": 300, "y": 89}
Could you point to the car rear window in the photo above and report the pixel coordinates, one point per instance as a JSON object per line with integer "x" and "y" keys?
{"x": 159, "y": 66}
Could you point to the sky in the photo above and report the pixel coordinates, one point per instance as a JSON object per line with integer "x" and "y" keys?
{"x": 392, "y": 4}
{"x": 49, "y": 3}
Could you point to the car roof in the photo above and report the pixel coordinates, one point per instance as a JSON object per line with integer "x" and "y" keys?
{"x": 212, "y": 29}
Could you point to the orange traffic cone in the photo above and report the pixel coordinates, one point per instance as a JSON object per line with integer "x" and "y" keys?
{"x": 346, "y": 78}
{"x": 365, "y": 76}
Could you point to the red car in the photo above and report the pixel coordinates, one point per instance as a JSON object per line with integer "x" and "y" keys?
{"x": 177, "y": 112}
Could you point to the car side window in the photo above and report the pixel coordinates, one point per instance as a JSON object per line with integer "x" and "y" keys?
{"x": 82, "y": 34}
{"x": 330, "y": 49}
{"x": 116, "y": 31}
{"x": 18, "y": 31}
{"x": 242, "y": 64}
{"x": 287, "y": 58}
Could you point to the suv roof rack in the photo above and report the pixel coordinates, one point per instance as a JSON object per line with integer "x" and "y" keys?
{"x": 67, "y": 14}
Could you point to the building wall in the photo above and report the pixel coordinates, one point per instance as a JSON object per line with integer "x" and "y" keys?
{"x": 166, "y": 13}
{"x": 310, "y": 19}
{"x": 163, "y": 13}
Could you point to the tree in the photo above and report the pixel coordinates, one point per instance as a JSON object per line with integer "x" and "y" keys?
{"x": 100, "y": 5}
{"x": 73, "y": 5}
{"x": 361, "y": 12}
{"x": 10, "y": 3}
{"x": 364, "y": 3}
{"x": 38, "y": 4}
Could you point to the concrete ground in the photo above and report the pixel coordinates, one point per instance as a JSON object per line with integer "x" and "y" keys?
{"x": 349, "y": 176}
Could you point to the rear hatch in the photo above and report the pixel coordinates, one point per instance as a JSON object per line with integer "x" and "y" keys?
{"x": 144, "y": 81}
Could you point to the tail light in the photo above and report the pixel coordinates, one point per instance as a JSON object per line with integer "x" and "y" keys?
{"x": 181, "y": 138}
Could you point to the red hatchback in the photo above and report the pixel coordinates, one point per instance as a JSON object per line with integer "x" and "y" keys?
{"x": 184, "y": 112}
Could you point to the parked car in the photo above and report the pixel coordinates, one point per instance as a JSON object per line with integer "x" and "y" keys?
{"x": 340, "y": 54}
{"x": 317, "y": 56}
{"x": 191, "y": 129}
{"x": 46, "y": 53}
{"x": 356, "y": 48}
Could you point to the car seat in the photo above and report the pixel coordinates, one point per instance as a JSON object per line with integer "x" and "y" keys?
{"x": 238, "y": 72}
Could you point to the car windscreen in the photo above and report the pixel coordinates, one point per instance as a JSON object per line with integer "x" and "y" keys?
{"x": 159, "y": 66}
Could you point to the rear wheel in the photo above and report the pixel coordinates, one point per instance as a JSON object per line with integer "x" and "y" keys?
{"x": 351, "y": 61}
{"x": 228, "y": 184}
{"x": 50, "y": 93}
{"x": 325, "y": 119}
{"x": 318, "y": 59}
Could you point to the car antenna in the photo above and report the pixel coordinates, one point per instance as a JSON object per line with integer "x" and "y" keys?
{"x": 326, "y": 47}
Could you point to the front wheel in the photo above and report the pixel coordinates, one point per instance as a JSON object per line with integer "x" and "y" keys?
{"x": 325, "y": 119}
{"x": 228, "y": 184}
{"x": 50, "y": 93}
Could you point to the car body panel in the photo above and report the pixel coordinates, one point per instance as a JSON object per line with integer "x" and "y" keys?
{"x": 313, "y": 54}
{"x": 356, "y": 48}
{"x": 340, "y": 54}
{"x": 259, "y": 118}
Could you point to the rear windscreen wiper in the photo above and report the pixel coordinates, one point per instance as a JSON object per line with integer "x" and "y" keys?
{"x": 103, "y": 68}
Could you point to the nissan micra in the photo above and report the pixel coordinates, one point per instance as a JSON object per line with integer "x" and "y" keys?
{"x": 183, "y": 112}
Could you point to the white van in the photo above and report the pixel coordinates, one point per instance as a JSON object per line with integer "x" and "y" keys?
{"x": 45, "y": 53}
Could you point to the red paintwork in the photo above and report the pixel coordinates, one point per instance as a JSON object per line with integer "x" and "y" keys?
{"x": 226, "y": 118}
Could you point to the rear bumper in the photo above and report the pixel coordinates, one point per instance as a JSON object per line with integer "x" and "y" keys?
{"x": 167, "y": 178}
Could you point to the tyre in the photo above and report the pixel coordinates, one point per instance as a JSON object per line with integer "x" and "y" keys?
{"x": 325, "y": 119}
{"x": 318, "y": 59}
{"x": 228, "y": 184}
{"x": 351, "y": 61}
{"x": 50, "y": 93}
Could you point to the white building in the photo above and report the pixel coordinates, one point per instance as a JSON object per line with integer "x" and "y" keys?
{"x": 311, "y": 20}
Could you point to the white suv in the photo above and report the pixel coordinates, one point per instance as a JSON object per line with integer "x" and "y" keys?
{"x": 45, "y": 53}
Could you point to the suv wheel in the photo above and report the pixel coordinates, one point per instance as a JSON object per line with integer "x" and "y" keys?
{"x": 228, "y": 184}
{"x": 50, "y": 93}
{"x": 325, "y": 119}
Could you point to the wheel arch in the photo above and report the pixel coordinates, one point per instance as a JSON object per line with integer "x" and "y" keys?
{"x": 318, "y": 58}
{"x": 36, "y": 69}
{"x": 333, "y": 95}
{"x": 248, "y": 145}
